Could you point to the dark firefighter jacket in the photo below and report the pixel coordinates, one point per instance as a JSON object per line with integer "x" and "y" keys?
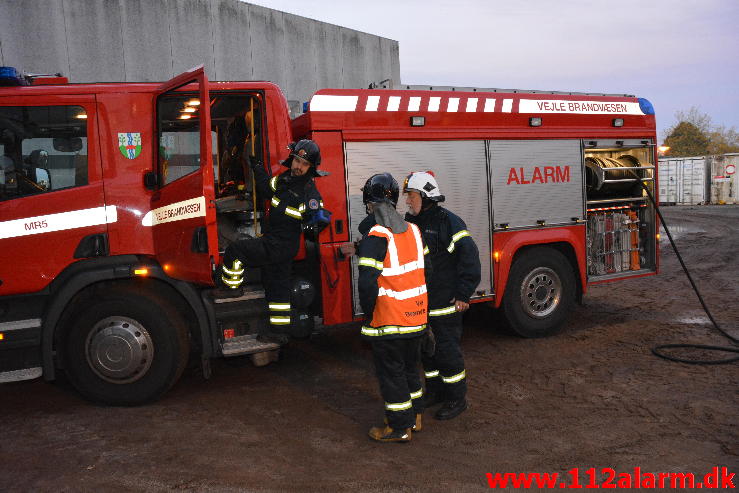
{"x": 375, "y": 247}
{"x": 291, "y": 199}
{"x": 453, "y": 254}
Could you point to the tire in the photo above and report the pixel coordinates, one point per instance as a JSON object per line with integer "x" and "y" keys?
{"x": 126, "y": 347}
{"x": 540, "y": 292}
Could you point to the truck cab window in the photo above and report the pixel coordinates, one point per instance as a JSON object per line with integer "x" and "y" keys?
{"x": 43, "y": 149}
{"x": 236, "y": 124}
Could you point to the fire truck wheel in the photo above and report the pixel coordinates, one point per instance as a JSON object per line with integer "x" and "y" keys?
{"x": 540, "y": 292}
{"x": 125, "y": 348}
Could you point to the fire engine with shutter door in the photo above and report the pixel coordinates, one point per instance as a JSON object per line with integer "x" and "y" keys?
{"x": 117, "y": 200}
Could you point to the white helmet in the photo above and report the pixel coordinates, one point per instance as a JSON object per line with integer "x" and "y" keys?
{"x": 424, "y": 183}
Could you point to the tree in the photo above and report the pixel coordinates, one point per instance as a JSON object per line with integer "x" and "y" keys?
{"x": 695, "y": 135}
{"x": 687, "y": 140}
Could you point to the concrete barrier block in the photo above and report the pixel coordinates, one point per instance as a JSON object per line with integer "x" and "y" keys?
{"x": 146, "y": 48}
{"x": 94, "y": 41}
{"x": 267, "y": 30}
{"x": 32, "y": 36}
{"x": 231, "y": 41}
{"x": 191, "y": 34}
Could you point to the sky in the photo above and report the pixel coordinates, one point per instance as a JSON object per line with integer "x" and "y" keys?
{"x": 675, "y": 53}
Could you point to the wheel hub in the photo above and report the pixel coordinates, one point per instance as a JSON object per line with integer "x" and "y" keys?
{"x": 119, "y": 349}
{"x": 541, "y": 292}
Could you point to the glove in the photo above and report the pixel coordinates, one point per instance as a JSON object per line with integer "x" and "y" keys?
{"x": 428, "y": 345}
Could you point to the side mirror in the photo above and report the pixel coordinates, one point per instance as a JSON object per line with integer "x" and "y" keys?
{"x": 67, "y": 144}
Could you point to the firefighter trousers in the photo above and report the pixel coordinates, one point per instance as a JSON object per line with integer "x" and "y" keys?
{"x": 444, "y": 371}
{"x": 396, "y": 366}
{"x": 255, "y": 252}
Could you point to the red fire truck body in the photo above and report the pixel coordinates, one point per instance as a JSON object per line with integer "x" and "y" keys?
{"x": 118, "y": 199}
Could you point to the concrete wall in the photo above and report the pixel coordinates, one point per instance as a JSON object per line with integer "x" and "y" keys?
{"x": 154, "y": 40}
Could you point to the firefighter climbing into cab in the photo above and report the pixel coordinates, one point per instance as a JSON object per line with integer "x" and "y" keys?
{"x": 455, "y": 276}
{"x": 296, "y": 206}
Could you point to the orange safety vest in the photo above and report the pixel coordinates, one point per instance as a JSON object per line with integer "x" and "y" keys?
{"x": 402, "y": 304}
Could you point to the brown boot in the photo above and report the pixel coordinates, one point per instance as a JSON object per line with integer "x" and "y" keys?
{"x": 387, "y": 434}
{"x": 417, "y": 426}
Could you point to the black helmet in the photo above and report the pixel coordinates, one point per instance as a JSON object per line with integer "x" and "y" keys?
{"x": 308, "y": 150}
{"x": 379, "y": 188}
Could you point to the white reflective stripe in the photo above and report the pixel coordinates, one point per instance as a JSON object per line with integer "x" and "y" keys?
{"x": 237, "y": 270}
{"x": 392, "y": 249}
{"x": 292, "y": 212}
{"x": 432, "y": 374}
{"x": 58, "y": 222}
{"x": 279, "y": 320}
{"x": 393, "y": 103}
{"x": 426, "y": 250}
{"x": 434, "y": 103}
{"x": 489, "y": 105}
{"x": 279, "y": 306}
{"x": 380, "y": 229}
{"x": 372, "y": 103}
{"x": 507, "y": 106}
{"x": 471, "y": 105}
{"x": 370, "y": 262}
{"x": 400, "y": 406}
{"x": 273, "y": 183}
{"x": 391, "y": 330}
{"x": 301, "y": 207}
{"x": 185, "y": 209}
{"x": 443, "y": 311}
{"x": 453, "y": 379}
{"x": 231, "y": 282}
{"x": 402, "y": 269}
{"x": 402, "y": 295}
{"x": 581, "y": 107}
{"x": 458, "y": 236}
{"x": 275, "y": 201}
{"x": 325, "y": 102}
{"x": 452, "y": 105}
{"x": 419, "y": 245}
{"x": 417, "y": 394}
{"x": 414, "y": 103}
{"x": 320, "y": 202}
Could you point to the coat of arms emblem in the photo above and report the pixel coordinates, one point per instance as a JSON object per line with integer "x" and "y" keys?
{"x": 130, "y": 144}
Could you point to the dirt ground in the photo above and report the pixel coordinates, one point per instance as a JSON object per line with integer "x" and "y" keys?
{"x": 592, "y": 396}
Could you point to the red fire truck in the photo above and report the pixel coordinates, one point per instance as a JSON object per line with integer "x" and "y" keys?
{"x": 117, "y": 200}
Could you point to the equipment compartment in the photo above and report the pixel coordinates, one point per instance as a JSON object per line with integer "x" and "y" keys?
{"x": 621, "y": 228}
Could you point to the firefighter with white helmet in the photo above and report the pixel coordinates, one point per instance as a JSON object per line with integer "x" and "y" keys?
{"x": 392, "y": 292}
{"x": 456, "y": 274}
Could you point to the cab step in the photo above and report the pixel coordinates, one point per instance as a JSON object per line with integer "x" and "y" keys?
{"x": 246, "y": 344}
{"x": 248, "y": 294}
{"x": 19, "y": 375}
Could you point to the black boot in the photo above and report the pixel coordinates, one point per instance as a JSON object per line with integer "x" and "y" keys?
{"x": 451, "y": 409}
{"x": 431, "y": 398}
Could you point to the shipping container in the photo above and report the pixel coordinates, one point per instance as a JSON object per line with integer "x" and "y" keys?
{"x": 724, "y": 179}
{"x": 684, "y": 180}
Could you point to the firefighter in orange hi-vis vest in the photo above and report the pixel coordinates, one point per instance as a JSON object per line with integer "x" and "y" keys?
{"x": 392, "y": 292}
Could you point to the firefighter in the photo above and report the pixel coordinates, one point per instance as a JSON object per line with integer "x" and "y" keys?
{"x": 392, "y": 292}
{"x": 294, "y": 198}
{"x": 455, "y": 276}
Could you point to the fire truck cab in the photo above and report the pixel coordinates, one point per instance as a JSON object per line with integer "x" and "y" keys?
{"x": 117, "y": 200}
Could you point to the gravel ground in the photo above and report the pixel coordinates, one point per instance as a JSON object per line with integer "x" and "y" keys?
{"x": 591, "y": 396}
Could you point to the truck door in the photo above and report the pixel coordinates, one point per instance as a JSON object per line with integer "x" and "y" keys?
{"x": 183, "y": 215}
{"x": 51, "y": 189}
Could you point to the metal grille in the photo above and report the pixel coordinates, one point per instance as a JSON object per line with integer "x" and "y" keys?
{"x": 460, "y": 168}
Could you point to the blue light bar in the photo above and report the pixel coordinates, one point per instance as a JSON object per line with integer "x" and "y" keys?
{"x": 646, "y": 106}
{"x": 9, "y": 76}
